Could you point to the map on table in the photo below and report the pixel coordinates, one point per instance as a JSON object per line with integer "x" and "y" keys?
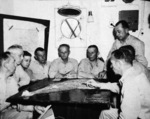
{"x": 65, "y": 85}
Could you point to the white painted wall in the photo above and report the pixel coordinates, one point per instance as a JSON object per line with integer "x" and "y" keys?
{"x": 99, "y": 32}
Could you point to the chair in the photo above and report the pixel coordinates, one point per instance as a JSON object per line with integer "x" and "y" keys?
{"x": 47, "y": 114}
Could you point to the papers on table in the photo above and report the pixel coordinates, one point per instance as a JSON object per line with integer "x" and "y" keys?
{"x": 26, "y": 93}
{"x": 66, "y": 85}
{"x": 54, "y": 87}
{"x": 57, "y": 79}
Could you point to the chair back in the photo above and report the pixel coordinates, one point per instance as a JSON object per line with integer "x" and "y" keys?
{"x": 48, "y": 114}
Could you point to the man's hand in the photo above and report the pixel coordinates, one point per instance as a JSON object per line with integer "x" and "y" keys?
{"x": 92, "y": 83}
{"x": 102, "y": 74}
{"x": 59, "y": 76}
{"x": 25, "y": 107}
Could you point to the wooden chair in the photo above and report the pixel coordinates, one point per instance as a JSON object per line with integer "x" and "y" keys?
{"x": 47, "y": 114}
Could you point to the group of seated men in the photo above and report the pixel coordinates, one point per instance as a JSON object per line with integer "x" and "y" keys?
{"x": 62, "y": 67}
{"x": 126, "y": 57}
{"x": 21, "y": 71}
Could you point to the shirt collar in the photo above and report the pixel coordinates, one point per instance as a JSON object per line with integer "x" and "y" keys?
{"x": 69, "y": 60}
{"x": 95, "y": 63}
{"x": 128, "y": 37}
{"x": 126, "y": 40}
{"x": 39, "y": 63}
{"x": 126, "y": 74}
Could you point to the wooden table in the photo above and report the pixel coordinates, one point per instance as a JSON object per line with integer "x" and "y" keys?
{"x": 70, "y": 99}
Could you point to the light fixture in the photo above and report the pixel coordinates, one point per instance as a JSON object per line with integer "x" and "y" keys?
{"x": 128, "y": 1}
{"x": 69, "y": 10}
{"x": 90, "y": 17}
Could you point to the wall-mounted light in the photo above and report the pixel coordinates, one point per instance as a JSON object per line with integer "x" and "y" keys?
{"x": 69, "y": 10}
{"x": 128, "y": 1}
{"x": 90, "y": 17}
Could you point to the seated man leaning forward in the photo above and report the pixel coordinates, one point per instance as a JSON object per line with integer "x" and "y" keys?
{"x": 137, "y": 65}
{"x": 9, "y": 87}
{"x": 40, "y": 67}
{"x": 91, "y": 66}
{"x": 135, "y": 91}
{"x": 20, "y": 75}
{"x": 63, "y": 67}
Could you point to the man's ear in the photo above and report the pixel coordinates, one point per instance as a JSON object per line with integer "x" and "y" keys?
{"x": 35, "y": 57}
{"x": 119, "y": 63}
{"x": 98, "y": 54}
{"x": 5, "y": 64}
{"x": 127, "y": 30}
{"x": 58, "y": 54}
{"x": 69, "y": 52}
{"x": 86, "y": 54}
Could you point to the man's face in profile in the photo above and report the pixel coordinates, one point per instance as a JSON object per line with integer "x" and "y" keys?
{"x": 115, "y": 65}
{"x": 10, "y": 65}
{"x": 18, "y": 56}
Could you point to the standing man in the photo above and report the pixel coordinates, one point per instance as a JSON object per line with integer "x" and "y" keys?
{"x": 40, "y": 67}
{"x": 63, "y": 67}
{"x": 123, "y": 38}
